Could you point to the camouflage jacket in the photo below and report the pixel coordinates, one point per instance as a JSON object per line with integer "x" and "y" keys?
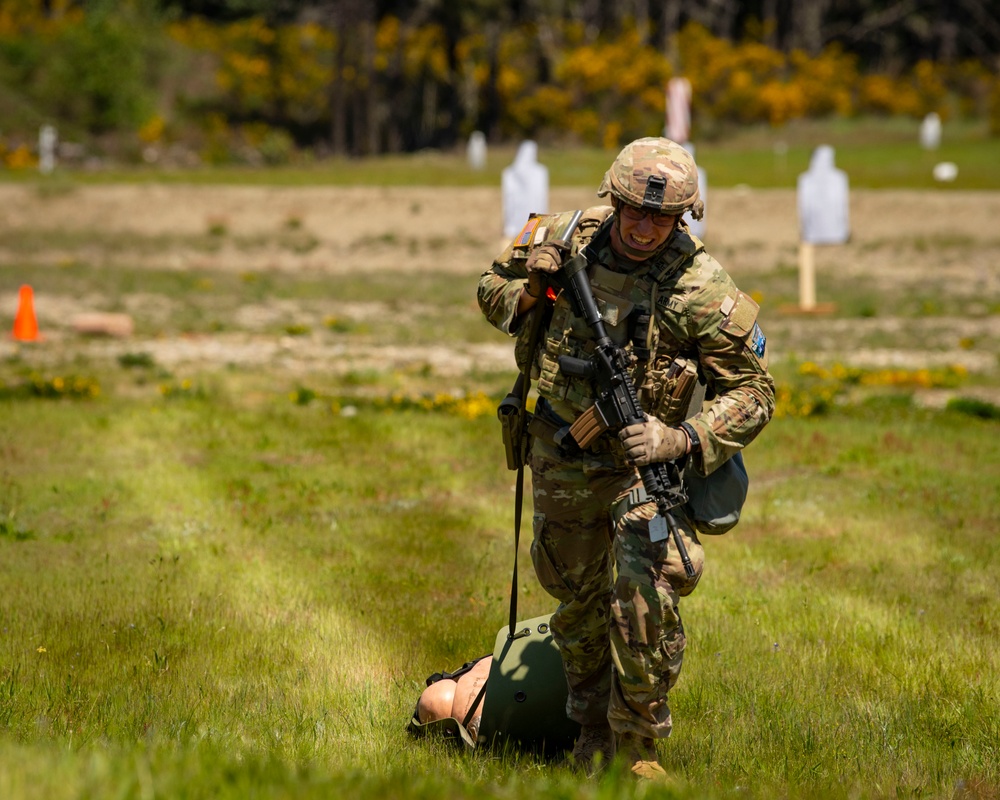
{"x": 679, "y": 314}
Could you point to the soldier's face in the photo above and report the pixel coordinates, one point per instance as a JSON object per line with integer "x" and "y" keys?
{"x": 640, "y": 234}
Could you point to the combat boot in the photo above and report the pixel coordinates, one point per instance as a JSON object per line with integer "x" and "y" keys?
{"x": 594, "y": 748}
{"x": 638, "y": 753}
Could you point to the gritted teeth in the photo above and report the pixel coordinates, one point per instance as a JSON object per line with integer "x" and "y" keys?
{"x": 642, "y": 239}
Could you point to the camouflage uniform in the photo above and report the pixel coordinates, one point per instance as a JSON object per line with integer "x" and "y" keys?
{"x": 617, "y": 591}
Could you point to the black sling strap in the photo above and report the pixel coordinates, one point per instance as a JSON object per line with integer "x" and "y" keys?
{"x": 523, "y": 383}
{"x": 521, "y": 388}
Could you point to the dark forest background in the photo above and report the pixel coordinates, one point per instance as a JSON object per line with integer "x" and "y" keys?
{"x": 269, "y": 80}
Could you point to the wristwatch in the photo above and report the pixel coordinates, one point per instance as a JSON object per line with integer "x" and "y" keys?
{"x": 692, "y": 434}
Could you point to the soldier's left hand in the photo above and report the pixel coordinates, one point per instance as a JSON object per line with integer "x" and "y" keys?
{"x": 650, "y": 441}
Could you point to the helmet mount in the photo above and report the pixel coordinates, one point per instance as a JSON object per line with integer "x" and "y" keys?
{"x": 655, "y": 187}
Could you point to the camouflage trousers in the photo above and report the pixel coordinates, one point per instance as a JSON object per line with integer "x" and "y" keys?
{"x": 617, "y": 625}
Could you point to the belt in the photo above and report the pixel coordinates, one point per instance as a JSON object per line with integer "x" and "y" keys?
{"x": 548, "y": 426}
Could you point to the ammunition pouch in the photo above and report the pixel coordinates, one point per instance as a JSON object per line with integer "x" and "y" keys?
{"x": 667, "y": 392}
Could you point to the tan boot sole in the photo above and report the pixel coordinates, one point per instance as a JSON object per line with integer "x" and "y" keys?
{"x": 649, "y": 771}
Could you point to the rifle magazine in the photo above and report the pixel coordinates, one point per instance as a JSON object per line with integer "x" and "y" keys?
{"x": 587, "y": 427}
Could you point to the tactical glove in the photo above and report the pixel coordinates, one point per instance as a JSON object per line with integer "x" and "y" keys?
{"x": 650, "y": 441}
{"x": 543, "y": 261}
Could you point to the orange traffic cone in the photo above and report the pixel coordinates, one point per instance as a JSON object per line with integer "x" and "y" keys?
{"x": 25, "y": 323}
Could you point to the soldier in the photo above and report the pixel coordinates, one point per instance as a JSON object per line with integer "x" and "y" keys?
{"x": 679, "y": 314}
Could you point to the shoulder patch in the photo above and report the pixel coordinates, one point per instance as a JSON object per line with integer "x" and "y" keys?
{"x": 524, "y": 237}
{"x": 742, "y": 315}
{"x": 538, "y": 229}
{"x": 757, "y": 342}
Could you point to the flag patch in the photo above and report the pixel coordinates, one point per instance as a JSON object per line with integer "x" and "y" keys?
{"x": 757, "y": 341}
{"x": 524, "y": 237}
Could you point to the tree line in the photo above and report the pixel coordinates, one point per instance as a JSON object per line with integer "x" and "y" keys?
{"x": 264, "y": 79}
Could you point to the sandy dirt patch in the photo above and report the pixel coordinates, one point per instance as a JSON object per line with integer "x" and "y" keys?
{"x": 449, "y": 229}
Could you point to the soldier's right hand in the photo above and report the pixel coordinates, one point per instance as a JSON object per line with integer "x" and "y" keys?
{"x": 652, "y": 440}
{"x": 543, "y": 261}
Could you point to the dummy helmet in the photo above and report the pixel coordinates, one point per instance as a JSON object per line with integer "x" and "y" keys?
{"x": 436, "y": 701}
{"x": 657, "y": 175}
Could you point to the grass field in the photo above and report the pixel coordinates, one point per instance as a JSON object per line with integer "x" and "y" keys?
{"x": 220, "y": 591}
{"x": 876, "y": 154}
{"x": 227, "y": 574}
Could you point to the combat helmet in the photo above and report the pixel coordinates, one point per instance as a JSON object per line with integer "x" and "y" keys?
{"x": 655, "y": 174}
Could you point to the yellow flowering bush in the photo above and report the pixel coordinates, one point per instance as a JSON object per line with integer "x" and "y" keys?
{"x": 819, "y": 388}
{"x": 928, "y": 83}
{"x": 72, "y": 387}
{"x": 259, "y": 68}
{"x": 426, "y": 54}
{"x": 20, "y": 17}
{"x": 152, "y": 130}
{"x": 304, "y": 69}
{"x": 782, "y": 102}
{"x": 387, "y": 41}
{"x": 467, "y": 406}
{"x": 878, "y": 94}
{"x": 600, "y": 87}
{"x": 181, "y": 389}
{"x": 20, "y": 157}
{"x": 622, "y": 103}
{"x": 827, "y": 82}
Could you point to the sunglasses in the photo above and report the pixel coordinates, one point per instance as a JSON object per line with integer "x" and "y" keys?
{"x": 638, "y": 214}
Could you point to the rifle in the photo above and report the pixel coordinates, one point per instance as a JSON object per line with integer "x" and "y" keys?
{"x": 617, "y": 405}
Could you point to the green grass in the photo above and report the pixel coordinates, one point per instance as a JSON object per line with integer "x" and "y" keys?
{"x": 876, "y": 153}
{"x": 210, "y": 597}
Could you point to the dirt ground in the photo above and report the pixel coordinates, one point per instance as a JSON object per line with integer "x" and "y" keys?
{"x": 745, "y": 223}
{"x": 752, "y": 232}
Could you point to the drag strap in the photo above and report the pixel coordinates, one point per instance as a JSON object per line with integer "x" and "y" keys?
{"x": 518, "y": 501}
{"x": 540, "y": 312}
{"x": 472, "y": 709}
